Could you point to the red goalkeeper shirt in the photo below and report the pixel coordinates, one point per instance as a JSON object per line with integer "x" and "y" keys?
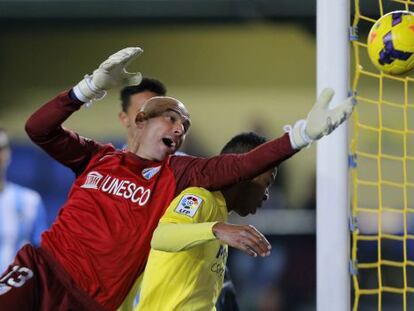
{"x": 102, "y": 234}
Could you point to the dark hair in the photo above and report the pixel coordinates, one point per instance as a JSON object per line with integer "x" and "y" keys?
{"x": 146, "y": 85}
{"x": 243, "y": 142}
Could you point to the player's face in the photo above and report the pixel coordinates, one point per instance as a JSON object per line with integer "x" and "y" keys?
{"x": 160, "y": 136}
{"x": 254, "y": 192}
{"x": 136, "y": 102}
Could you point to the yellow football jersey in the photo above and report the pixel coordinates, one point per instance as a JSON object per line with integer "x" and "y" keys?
{"x": 191, "y": 279}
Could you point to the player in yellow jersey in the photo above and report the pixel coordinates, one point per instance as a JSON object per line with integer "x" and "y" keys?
{"x": 187, "y": 261}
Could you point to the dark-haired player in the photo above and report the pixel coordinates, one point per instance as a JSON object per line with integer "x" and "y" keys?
{"x": 133, "y": 98}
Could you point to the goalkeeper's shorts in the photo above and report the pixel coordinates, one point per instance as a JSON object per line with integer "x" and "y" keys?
{"x": 35, "y": 281}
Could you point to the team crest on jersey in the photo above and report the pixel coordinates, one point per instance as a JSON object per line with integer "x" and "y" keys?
{"x": 149, "y": 172}
{"x": 189, "y": 205}
{"x": 92, "y": 180}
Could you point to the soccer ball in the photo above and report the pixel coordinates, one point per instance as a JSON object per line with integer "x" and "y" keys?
{"x": 391, "y": 42}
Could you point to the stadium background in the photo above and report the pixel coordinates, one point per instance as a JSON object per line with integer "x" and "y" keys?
{"x": 238, "y": 66}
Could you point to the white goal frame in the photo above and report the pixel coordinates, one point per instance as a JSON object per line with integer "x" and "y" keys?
{"x": 332, "y": 200}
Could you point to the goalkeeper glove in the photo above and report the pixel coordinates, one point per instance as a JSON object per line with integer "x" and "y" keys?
{"x": 321, "y": 120}
{"x": 111, "y": 73}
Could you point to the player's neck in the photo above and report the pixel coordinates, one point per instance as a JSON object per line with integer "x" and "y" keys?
{"x": 133, "y": 140}
{"x": 149, "y": 154}
{"x": 133, "y": 145}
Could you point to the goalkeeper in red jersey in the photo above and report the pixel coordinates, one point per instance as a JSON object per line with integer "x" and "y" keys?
{"x": 99, "y": 243}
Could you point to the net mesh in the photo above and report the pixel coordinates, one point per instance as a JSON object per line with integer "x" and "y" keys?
{"x": 382, "y": 175}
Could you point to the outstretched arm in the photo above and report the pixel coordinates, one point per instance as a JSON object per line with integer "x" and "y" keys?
{"x": 177, "y": 237}
{"x": 221, "y": 171}
{"x": 197, "y": 216}
{"x": 224, "y": 170}
{"x": 321, "y": 120}
{"x": 111, "y": 73}
{"x": 243, "y": 237}
{"x": 45, "y": 128}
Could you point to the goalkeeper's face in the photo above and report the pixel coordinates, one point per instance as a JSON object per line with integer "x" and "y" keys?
{"x": 252, "y": 193}
{"x": 162, "y": 125}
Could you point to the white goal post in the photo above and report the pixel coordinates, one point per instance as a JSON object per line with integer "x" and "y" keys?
{"x": 332, "y": 233}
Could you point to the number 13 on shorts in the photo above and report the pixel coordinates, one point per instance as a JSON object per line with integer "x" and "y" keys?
{"x": 15, "y": 278}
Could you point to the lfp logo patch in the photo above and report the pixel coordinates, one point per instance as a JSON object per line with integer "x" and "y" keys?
{"x": 189, "y": 205}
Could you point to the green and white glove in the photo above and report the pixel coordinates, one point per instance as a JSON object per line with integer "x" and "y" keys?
{"x": 111, "y": 73}
{"x": 321, "y": 120}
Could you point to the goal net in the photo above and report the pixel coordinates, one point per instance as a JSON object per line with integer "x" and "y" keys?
{"x": 382, "y": 170}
